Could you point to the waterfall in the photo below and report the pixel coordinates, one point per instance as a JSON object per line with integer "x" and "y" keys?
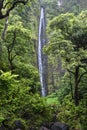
{"x": 42, "y": 59}
{"x": 59, "y": 2}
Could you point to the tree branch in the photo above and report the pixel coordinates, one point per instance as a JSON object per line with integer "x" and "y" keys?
{"x": 12, "y": 58}
{"x": 70, "y": 71}
{"x": 14, "y": 4}
{"x": 6, "y": 4}
{"x": 11, "y": 46}
{"x": 81, "y": 76}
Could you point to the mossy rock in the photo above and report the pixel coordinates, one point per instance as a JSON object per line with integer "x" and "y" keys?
{"x": 18, "y": 124}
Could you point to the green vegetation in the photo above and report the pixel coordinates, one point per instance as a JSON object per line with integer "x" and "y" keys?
{"x": 67, "y": 40}
{"x": 52, "y": 99}
{"x": 20, "y": 101}
{"x": 20, "y": 88}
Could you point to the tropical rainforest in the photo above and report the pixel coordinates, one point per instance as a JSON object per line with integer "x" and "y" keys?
{"x": 66, "y": 51}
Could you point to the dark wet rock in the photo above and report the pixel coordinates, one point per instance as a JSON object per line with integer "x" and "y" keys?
{"x": 18, "y": 125}
{"x": 2, "y": 127}
{"x": 18, "y": 129}
{"x": 59, "y": 126}
{"x": 54, "y": 126}
{"x": 47, "y": 125}
{"x": 43, "y": 128}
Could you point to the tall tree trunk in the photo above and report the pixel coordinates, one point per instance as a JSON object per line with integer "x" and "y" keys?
{"x": 71, "y": 86}
{"x": 76, "y": 94}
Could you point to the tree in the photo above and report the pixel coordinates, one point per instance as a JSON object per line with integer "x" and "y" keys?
{"x": 6, "y": 6}
{"x": 68, "y": 41}
{"x": 14, "y": 43}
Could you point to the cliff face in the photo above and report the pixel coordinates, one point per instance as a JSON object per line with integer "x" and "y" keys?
{"x": 75, "y": 6}
{"x": 83, "y": 4}
{"x": 53, "y": 9}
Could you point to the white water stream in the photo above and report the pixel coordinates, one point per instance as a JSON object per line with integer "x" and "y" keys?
{"x": 40, "y": 40}
{"x": 59, "y": 3}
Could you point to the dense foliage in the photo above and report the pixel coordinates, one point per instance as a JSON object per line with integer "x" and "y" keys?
{"x": 67, "y": 40}
{"x": 18, "y": 102}
{"x": 20, "y": 89}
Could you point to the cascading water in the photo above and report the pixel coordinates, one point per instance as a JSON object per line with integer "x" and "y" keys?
{"x": 42, "y": 59}
{"x": 59, "y": 2}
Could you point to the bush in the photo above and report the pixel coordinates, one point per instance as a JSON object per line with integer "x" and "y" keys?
{"x": 18, "y": 102}
{"x": 75, "y": 117}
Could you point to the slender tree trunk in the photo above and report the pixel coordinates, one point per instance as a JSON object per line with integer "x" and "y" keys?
{"x": 76, "y": 94}
{"x": 71, "y": 86}
{"x": 10, "y": 50}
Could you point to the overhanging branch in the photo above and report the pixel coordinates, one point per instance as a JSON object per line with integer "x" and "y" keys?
{"x": 13, "y": 5}
{"x": 70, "y": 71}
{"x": 82, "y": 76}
